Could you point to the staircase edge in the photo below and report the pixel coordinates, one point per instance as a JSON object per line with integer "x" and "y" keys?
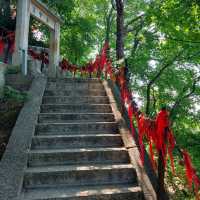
{"x": 147, "y": 183}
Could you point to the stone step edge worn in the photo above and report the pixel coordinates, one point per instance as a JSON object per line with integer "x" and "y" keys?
{"x": 67, "y": 192}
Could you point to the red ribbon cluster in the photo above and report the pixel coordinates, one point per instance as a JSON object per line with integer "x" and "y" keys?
{"x": 2, "y": 44}
{"x": 7, "y": 37}
{"x": 39, "y": 56}
{"x": 157, "y": 133}
{"x": 92, "y": 67}
{"x": 191, "y": 174}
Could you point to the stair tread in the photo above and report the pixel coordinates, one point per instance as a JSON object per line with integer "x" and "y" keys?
{"x": 41, "y": 133}
{"x": 46, "y": 151}
{"x": 68, "y": 123}
{"x": 80, "y": 191}
{"x": 75, "y": 136}
{"x": 74, "y": 79}
{"x": 71, "y": 104}
{"x": 63, "y": 96}
{"x": 58, "y": 113}
{"x": 57, "y": 171}
{"x": 69, "y": 168}
{"x": 77, "y": 89}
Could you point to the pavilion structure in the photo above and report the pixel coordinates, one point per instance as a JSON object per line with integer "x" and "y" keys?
{"x": 35, "y": 8}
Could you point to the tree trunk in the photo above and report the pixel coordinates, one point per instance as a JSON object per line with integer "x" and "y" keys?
{"x": 161, "y": 177}
{"x": 120, "y": 29}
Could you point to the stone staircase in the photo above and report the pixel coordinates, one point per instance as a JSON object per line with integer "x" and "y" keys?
{"x": 77, "y": 151}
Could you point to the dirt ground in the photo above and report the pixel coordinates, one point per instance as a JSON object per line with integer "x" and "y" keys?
{"x": 9, "y": 111}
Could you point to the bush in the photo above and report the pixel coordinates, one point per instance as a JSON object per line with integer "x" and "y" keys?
{"x": 13, "y": 70}
{"x": 12, "y": 94}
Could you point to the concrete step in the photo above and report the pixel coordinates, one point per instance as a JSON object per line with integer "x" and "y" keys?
{"x": 68, "y": 100}
{"x": 79, "y": 117}
{"x": 84, "y": 108}
{"x": 77, "y": 152}
{"x": 75, "y": 92}
{"x": 97, "y": 192}
{"x": 76, "y": 141}
{"x": 79, "y": 175}
{"x": 74, "y": 80}
{"x": 77, "y": 156}
{"x": 78, "y": 132}
{"x": 76, "y": 86}
{"x": 77, "y": 127}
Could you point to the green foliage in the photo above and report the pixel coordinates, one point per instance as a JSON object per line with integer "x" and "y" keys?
{"x": 82, "y": 27}
{"x": 6, "y": 21}
{"x": 12, "y": 94}
{"x": 13, "y": 69}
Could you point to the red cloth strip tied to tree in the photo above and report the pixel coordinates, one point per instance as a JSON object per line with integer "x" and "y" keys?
{"x": 171, "y": 146}
{"x": 103, "y": 59}
{"x": 130, "y": 114}
{"x": 39, "y": 56}
{"x": 2, "y": 45}
{"x": 156, "y": 132}
{"x": 64, "y": 64}
{"x": 162, "y": 124}
{"x": 11, "y": 38}
{"x": 98, "y": 65}
{"x": 191, "y": 175}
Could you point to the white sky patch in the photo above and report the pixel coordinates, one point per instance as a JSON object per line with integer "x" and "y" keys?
{"x": 138, "y": 99}
{"x": 140, "y": 83}
{"x": 93, "y": 54}
{"x": 152, "y": 64}
{"x": 151, "y": 28}
{"x": 38, "y": 35}
{"x": 174, "y": 93}
{"x": 197, "y": 107}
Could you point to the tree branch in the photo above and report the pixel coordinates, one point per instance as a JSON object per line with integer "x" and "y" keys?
{"x": 113, "y": 4}
{"x": 153, "y": 80}
{"x": 180, "y": 99}
{"x": 133, "y": 20}
{"x": 136, "y": 41}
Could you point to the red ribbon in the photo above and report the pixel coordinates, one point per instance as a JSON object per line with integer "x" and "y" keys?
{"x": 130, "y": 114}
{"x": 162, "y": 124}
{"x": 2, "y": 45}
{"x": 103, "y": 59}
{"x": 40, "y": 56}
{"x": 171, "y": 146}
{"x": 191, "y": 175}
